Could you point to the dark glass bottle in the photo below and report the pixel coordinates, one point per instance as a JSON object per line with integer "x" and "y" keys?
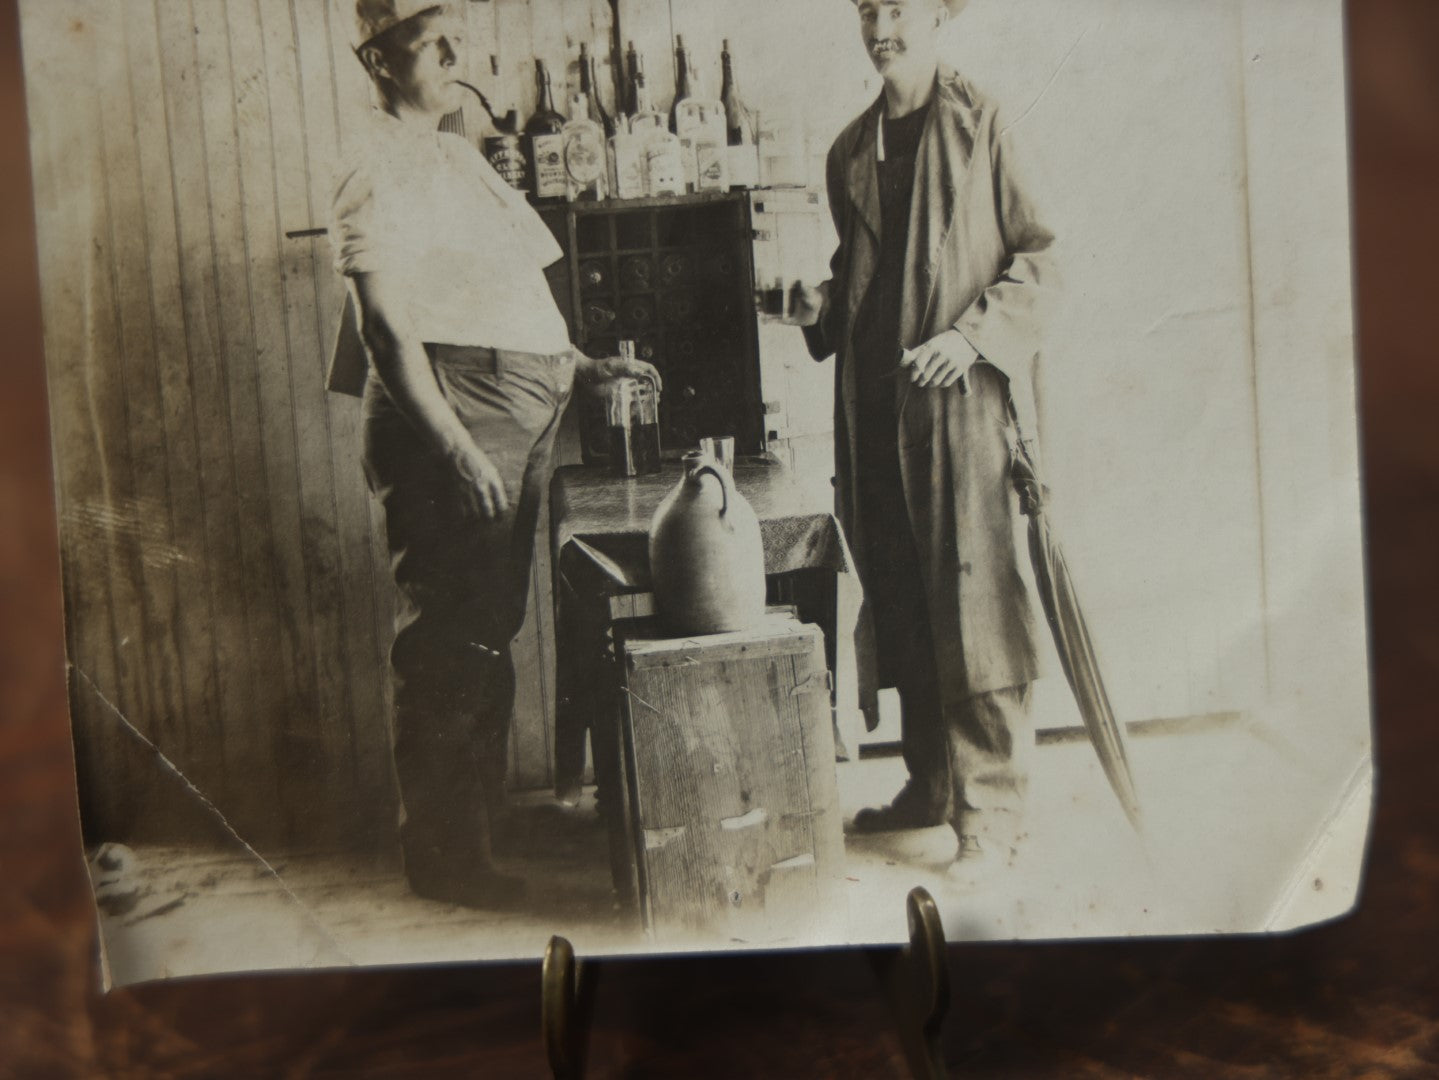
{"x": 682, "y": 81}
{"x": 632, "y": 61}
{"x": 743, "y": 154}
{"x": 544, "y": 139}
{"x": 590, "y": 87}
{"x": 738, "y": 122}
{"x": 505, "y": 150}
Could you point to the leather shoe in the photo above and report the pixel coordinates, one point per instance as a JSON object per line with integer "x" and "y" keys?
{"x": 909, "y": 810}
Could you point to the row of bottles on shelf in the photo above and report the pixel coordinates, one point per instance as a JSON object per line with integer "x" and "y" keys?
{"x": 701, "y": 145}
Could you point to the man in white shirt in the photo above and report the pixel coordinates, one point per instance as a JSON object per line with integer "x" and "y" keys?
{"x": 470, "y": 370}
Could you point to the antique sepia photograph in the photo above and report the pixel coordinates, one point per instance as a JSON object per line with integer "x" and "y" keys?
{"x": 682, "y": 474}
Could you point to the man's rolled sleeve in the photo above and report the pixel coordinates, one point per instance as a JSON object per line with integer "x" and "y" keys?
{"x": 356, "y": 229}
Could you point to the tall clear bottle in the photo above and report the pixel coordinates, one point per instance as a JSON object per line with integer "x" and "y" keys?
{"x": 680, "y": 115}
{"x": 544, "y": 137}
{"x": 740, "y": 128}
{"x": 664, "y": 162}
{"x": 586, "y": 160}
{"x": 699, "y": 122}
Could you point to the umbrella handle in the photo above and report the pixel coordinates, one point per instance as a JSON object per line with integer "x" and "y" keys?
{"x": 1024, "y": 471}
{"x": 1026, "y": 482}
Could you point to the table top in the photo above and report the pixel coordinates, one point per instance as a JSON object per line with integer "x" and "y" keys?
{"x": 591, "y": 501}
{"x": 599, "y": 523}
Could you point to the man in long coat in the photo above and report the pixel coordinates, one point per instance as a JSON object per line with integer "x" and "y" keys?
{"x": 940, "y": 288}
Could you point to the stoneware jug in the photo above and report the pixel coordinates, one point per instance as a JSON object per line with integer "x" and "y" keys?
{"x": 706, "y": 557}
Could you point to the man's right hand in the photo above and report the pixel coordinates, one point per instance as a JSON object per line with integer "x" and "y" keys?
{"x": 483, "y": 487}
{"x": 805, "y": 305}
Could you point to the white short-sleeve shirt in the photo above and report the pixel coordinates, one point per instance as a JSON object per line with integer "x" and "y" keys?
{"x": 429, "y": 212}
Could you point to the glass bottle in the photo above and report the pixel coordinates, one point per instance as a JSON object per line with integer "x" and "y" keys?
{"x": 664, "y": 162}
{"x": 626, "y": 154}
{"x": 586, "y": 159}
{"x": 505, "y": 151}
{"x": 632, "y": 60}
{"x": 545, "y": 139}
{"x": 590, "y": 87}
{"x": 743, "y": 154}
{"x": 682, "y": 115}
{"x": 682, "y": 82}
{"x": 700, "y": 125}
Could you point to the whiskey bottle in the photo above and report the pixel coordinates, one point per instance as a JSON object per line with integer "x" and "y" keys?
{"x": 546, "y": 144}
{"x": 505, "y": 151}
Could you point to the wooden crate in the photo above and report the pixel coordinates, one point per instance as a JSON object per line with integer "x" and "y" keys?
{"x": 731, "y": 811}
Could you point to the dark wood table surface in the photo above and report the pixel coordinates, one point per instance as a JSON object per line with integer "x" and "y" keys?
{"x": 1359, "y": 998}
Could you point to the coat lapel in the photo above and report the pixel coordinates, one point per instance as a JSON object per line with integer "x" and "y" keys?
{"x": 863, "y": 175}
{"x": 945, "y": 152}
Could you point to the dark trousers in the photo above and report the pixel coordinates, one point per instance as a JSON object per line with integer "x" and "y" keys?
{"x": 463, "y": 582}
{"x": 968, "y": 760}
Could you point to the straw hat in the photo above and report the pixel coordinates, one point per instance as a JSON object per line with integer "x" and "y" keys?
{"x": 374, "y": 17}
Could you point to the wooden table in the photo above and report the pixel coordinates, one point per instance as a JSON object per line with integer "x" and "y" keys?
{"x": 599, "y": 530}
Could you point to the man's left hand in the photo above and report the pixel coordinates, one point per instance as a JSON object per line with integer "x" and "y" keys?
{"x": 941, "y": 361}
{"x": 594, "y": 373}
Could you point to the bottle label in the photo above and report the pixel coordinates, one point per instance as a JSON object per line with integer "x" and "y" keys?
{"x": 584, "y": 156}
{"x": 665, "y": 167}
{"x": 507, "y": 158}
{"x": 629, "y": 166}
{"x": 551, "y": 181}
{"x": 689, "y": 163}
{"x": 712, "y": 166}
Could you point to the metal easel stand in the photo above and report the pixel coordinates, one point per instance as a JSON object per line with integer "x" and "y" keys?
{"x": 914, "y": 979}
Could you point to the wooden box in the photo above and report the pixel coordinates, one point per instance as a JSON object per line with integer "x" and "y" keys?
{"x": 730, "y": 801}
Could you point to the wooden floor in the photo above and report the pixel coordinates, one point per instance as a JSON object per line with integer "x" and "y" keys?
{"x": 191, "y": 911}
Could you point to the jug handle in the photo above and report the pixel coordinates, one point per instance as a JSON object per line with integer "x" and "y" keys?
{"x": 718, "y": 474}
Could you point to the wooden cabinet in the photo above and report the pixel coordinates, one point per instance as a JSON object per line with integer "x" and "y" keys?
{"x": 675, "y": 275}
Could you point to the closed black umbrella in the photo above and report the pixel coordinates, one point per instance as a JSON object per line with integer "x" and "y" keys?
{"x": 1071, "y": 639}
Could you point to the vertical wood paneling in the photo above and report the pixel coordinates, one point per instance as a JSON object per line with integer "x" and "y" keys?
{"x": 365, "y": 715}
{"x": 197, "y": 736}
{"x": 547, "y": 43}
{"x": 327, "y": 729}
{"x": 516, "y": 80}
{"x": 143, "y": 512}
{"x": 271, "y": 375}
{"x": 272, "y": 643}
{"x": 242, "y": 744}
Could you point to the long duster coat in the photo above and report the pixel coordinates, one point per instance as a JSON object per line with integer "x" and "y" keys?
{"x": 979, "y": 260}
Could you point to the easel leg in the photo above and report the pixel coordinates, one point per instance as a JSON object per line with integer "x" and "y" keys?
{"x": 915, "y": 980}
{"x": 566, "y": 1005}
